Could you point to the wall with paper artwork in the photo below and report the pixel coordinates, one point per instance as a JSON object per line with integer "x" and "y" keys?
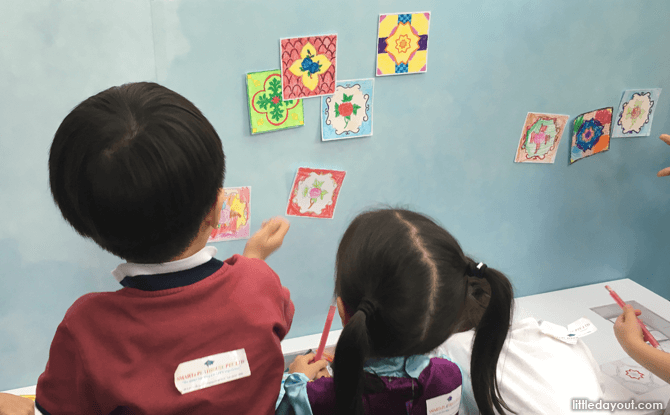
{"x": 327, "y": 109}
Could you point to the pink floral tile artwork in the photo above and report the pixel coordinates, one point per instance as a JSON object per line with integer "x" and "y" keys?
{"x": 315, "y": 192}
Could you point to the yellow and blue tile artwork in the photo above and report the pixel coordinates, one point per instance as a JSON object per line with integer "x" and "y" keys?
{"x": 402, "y": 44}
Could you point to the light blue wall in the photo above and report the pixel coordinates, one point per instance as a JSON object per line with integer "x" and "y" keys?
{"x": 443, "y": 142}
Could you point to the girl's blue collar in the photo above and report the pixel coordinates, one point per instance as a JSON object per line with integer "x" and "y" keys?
{"x": 411, "y": 366}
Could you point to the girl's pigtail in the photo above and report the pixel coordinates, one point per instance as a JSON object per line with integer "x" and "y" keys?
{"x": 351, "y": 351}
{"x": 490, "y": 336}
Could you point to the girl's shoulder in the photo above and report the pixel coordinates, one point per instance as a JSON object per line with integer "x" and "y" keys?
{"x": 443, "y": 363}
{"x": 440, "y": 376}
{"x": 321, "y": 394}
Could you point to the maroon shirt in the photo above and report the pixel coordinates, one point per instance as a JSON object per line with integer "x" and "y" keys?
{"x": 117, "y": 352}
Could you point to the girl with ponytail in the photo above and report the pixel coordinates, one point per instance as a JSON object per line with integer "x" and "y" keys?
{"x": 402, "y": 289}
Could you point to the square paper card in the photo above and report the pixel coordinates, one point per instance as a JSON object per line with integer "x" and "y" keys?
{"x": 314, "y": 193}
{"x": 635, "y": 113}
{"x": 235, "y": 215}
{"x": 402, "y": 43}
{"x": 267, "y": 110}
{"x": 632, "y": 376}
{"x": 540, "y": 137}
{"x": 348, "y": 112}
{"x": 308, "y": 66}
{"x": 591, "y": 134}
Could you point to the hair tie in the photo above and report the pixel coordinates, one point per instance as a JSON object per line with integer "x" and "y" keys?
{"x": 477, "y": 270}
{"x": 366, "y": 307}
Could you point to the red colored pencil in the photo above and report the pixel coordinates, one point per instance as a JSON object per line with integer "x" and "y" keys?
{"x": 324, "y": 336}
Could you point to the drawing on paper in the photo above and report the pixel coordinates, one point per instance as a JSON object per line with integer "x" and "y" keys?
{"x": 348, "y": 112}
{"x": 314, "y": 193}
{"x": 540, "y": 137}
{"x": 626, "y": 371}
{"x": 235, "y": 215}
{"x": 267, "y": 109}
{"x": 636, "y": 113}
{"x": 402, "y": 43}
{"x": 658, "y": 326}
{"x": 632, "y": 376}
{"x": 308, "y": 66}
{"x": 591, "y": 133}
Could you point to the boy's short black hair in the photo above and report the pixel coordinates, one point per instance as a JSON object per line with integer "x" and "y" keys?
{"x": 136, "y": 168}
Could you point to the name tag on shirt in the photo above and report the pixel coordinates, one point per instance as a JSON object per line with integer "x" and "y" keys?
{"x": 447, "y": 404}
{"x": 211, "y": 370}
{"x": 580, "y": 328}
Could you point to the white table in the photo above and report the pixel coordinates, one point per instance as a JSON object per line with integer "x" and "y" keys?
{"x": 27, "y": 391}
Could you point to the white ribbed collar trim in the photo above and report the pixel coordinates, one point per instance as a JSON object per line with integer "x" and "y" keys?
{"x": 130, "y": 269}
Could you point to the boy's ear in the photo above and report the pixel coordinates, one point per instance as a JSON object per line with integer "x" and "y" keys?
{"x": 212, "y": 218}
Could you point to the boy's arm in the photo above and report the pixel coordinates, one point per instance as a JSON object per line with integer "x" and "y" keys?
{"x": 289, "y": 311}
{"x": 629, "y": 334}
{"x": 268, "y": 239}
{"x": 15, "y": 405}
{"x": 264, "y": 242}
{"x": 64, "y": 387}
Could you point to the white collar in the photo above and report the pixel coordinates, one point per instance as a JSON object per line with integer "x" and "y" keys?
{"x": 130, "y": 269}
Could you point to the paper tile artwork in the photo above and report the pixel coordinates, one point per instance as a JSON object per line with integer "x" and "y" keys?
{"x": 635, "y": 113}
{"x": 348, "y": 112}
{"x": 402, "y": 43}
{"x": 540, "y": 137}
{"x": 314, "y": 193}
{"x": 308, "y": 66}
{"x": 591, "y": 134}
{"x": 267, "y": 109}
{"x": 235, "y": 215}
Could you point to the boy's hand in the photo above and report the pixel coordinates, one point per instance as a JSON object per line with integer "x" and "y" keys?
{"x": 627, "y": 330}
{"x": 16, "y": 405}
{"x": 268, "y": 238}
{"x": 665, "y": 171}
{"x": 301, "y": 365}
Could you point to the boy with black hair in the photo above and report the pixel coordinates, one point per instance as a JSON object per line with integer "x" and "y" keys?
{"x": 139, "y": 169}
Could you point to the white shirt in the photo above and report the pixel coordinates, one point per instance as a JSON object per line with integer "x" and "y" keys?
{"x": 537, "y": 374}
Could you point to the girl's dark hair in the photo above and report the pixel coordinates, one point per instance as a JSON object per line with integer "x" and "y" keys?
{"x": 136, "y": 168}
{"x": 402, "y": 279}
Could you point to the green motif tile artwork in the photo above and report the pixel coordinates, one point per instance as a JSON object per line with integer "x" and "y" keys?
{"x": 267, "y": 110}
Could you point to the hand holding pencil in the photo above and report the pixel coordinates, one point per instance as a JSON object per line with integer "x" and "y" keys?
{"x": 627, "y": 331}
{"x": 306, "y": 365}
{"x": 628, "y": 328}
{"x": 630, "y": 333}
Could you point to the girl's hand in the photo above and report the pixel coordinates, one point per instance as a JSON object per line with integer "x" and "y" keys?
{"x": 665, "y": 171}
{"x": 268, "y": 238}
{"x": 323, "y": 373}
{"x": 628, "y": 331}
{"x": 301, "y": 365}
{"x": 16, "y": 405}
